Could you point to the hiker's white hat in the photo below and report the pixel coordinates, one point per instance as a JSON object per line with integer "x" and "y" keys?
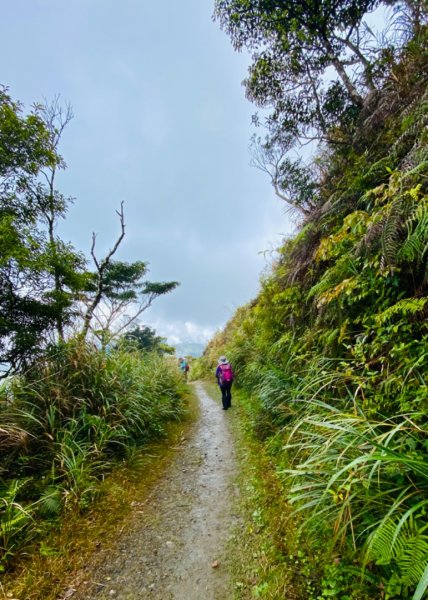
{"x": 222, "y": 360}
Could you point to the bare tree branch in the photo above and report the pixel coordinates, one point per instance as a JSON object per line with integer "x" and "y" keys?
{"x": 101, "y": 268}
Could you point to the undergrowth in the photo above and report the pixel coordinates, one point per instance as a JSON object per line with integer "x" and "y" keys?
{"x": 59, "y": 561}
{"x": 262, "y": 540}
{"x": 65, "y": 426}
{"x": 272, "y": 555}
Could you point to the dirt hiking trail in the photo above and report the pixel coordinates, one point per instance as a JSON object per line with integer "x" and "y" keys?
{"x": 172, "y": 550}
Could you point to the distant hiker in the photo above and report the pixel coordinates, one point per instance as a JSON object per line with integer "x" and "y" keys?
{"x": 184, "y": 367}
{"x": 224, "y": 374}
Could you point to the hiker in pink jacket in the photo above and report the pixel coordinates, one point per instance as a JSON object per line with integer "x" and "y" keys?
{"x": 224, "y": 374}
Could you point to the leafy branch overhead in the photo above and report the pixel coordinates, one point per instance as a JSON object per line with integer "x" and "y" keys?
{"x": 293, "y": 44}
{"x": 291, "y": 179}
{"x": 318, "y": 68}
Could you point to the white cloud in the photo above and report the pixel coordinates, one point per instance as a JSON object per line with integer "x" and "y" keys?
{"x": 178, "y": 332}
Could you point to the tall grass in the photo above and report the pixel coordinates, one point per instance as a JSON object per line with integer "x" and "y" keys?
{"x": 357, "y": 481}
{"x": 366, "y": 481}
{"x": 67, "y": 422}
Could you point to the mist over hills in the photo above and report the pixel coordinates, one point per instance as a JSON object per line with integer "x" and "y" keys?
{"x": 189, "y": 349}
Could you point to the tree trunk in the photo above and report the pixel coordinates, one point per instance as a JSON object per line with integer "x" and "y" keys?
{"x": 340, "y": 69}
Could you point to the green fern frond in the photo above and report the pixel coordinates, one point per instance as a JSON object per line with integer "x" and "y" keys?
{"x": 328, "y": 280}
{"x": 49, "y": 502}
{"x": 10, "y": 492}
{"x": 14, "y": 520}
{"x": 393, "y": 230}
{"x": 411, "y": 133}
{"x": 379, "y": 547}
{"x": 416, "y": 244}
{"x": 413, "y": 560}
{"x": 344, "y": 268}
{"x": 417, "y": 161}
{"x": 404, "y": 547}
{"x": 411, "y": 250}
{"x": 405, "y": 307}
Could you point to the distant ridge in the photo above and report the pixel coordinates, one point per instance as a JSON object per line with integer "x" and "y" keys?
{"x": 189, "y": 349}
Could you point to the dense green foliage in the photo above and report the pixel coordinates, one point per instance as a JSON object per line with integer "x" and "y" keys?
{"x": 144, "y": 338}
{"x": 335, "y": 346}
{"x": 67, "y": 423}
{"x": 29, "y": 310}
{"x": 320, "y": 70}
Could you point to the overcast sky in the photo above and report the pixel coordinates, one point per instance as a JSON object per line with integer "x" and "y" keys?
{"x": 161, "y": 122}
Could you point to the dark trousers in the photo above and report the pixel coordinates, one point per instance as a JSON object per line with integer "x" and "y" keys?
{"x": 226, "y": 395}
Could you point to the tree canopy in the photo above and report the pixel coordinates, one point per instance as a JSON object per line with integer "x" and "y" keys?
{"x": 293, "y": 44}
{"x": 28, "y": 311}
{"x": 318, "y": 68}
{"x": 145, "y": 338}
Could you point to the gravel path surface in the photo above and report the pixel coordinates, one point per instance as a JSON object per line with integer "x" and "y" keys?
{"x": 177, "y": 550}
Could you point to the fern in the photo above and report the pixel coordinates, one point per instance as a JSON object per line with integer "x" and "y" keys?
{"x": 392, "y": 230}
{"x": 418, "y": 160}
{"x": 413, "y": 560}
{"x": 416, "y": 244}
{"x": 400, "y": 210}
{"x": 405, "y": 307}
{"x": 404, "y": 547}
{"x": 14, "y": 518}
{"x": 372, "y": 236}
{"x": 8, "y": 494}
{"x": 50, "y": 502}
{"x": 346, "y": 286}
{"x": 328, "y": 280}
{"x": 417, "y": 111}
{"x": 406, "y": 138}
{"x": 340, "y": 271}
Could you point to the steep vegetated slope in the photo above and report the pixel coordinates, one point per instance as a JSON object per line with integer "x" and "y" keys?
{"x": 335, "y": 346}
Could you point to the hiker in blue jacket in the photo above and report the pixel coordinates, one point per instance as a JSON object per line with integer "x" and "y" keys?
{"x": 224, "y": 374}
{"x": 184, "y": 367}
